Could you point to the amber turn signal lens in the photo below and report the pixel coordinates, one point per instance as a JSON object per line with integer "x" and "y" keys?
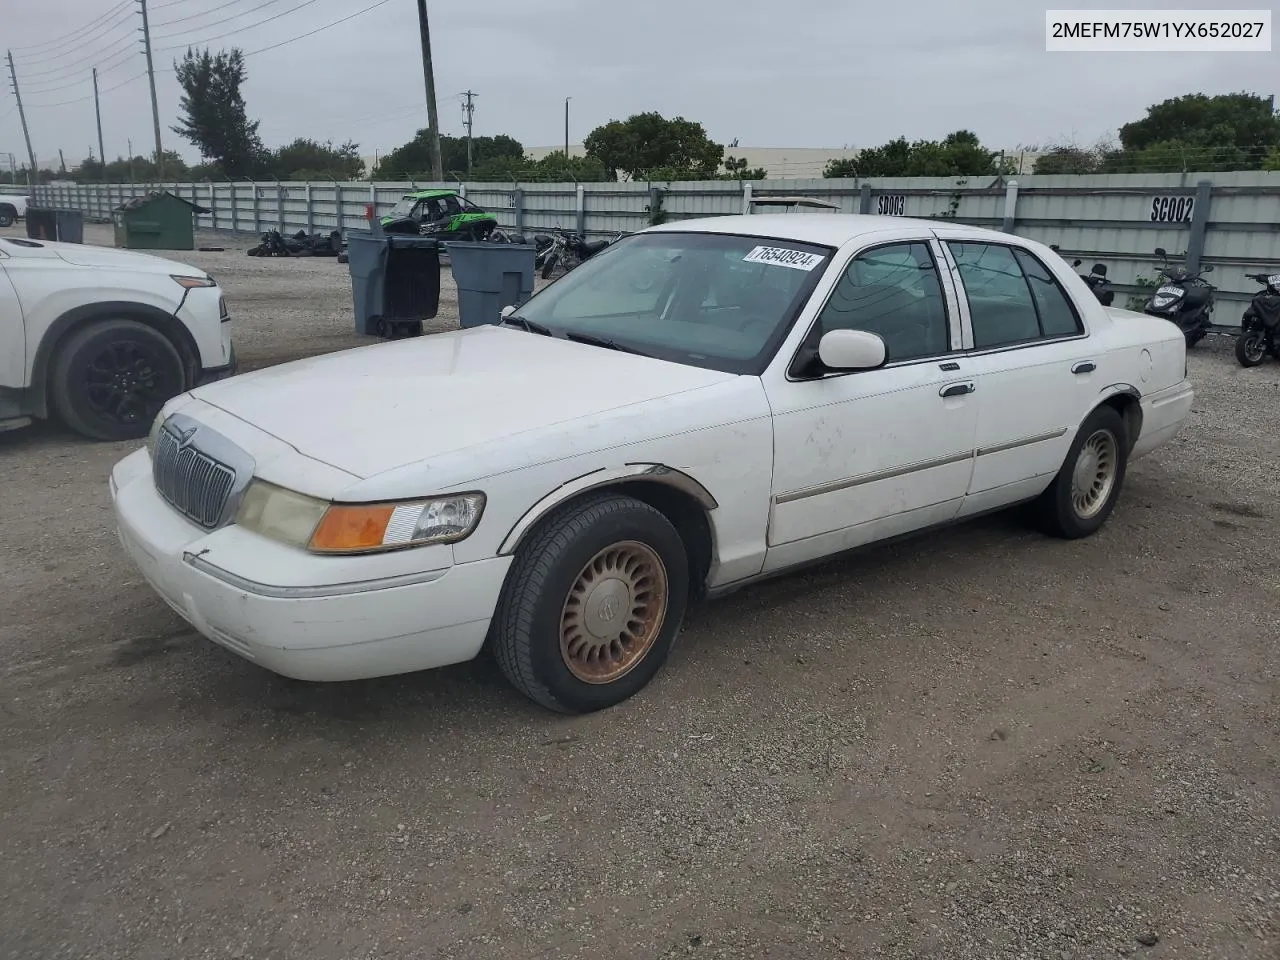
{"x": 355, "y": 527}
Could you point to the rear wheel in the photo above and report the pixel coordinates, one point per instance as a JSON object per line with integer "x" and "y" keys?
{"x": 549, "y": 265}
{"x": 110, "y": 379}
{"x": 1251, "y": 348}
{"x": 1086, "y": 489}
{"x": 592, "y": 605}
{"x": 7, "y": 216}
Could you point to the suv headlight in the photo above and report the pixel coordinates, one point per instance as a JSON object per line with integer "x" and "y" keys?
{"x": 344, "y": 528}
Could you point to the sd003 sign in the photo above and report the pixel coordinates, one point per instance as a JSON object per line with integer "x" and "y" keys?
{"x": 1172, "y": 209}
{"x": 891, "y": 204}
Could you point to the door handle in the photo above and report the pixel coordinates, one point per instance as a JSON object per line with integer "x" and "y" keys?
{"x": 1087, "y": 366}
{"x": 957, "y": 389}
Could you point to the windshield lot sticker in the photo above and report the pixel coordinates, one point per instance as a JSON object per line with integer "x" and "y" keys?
{"x": 782, "y": 257}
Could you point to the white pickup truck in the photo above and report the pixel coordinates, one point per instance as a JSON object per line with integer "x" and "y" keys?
{"x": 13, "y": 207}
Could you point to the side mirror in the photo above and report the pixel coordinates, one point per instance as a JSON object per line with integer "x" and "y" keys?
{"x": 1160, "y": 252}
{"x": 1075, "y": 262}
{"x": 851, "y": 350}
{"x": 1053, "y": 247}
{"x": 508, "y": 310}
{"x": 1100, "y": 269}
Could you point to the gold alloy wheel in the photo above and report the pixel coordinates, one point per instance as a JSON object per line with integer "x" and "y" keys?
{"x": 614, "y": 612}
{"x": 1095, "y": 474}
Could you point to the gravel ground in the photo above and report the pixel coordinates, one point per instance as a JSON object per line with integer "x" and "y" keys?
{"x": 984, "y": 744}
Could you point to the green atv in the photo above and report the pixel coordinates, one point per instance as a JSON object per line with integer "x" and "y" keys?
{"x": 441, "y": 214}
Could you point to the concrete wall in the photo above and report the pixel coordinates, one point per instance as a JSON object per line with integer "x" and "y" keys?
{"x": 1231, "y": 220}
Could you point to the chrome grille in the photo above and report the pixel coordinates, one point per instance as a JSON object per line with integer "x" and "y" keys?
{"x": 194, "y": 483}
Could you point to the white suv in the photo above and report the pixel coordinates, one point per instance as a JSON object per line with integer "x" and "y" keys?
{"x": 101, "y": 338}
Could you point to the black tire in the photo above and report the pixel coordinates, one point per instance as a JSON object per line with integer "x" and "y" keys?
{"x": 537, "y": 622}
{"x": 1195, "y": 336}
{"x": 7, "y": 216}
{"x": 549, "y": 266}
{"x": 110, "y": 379}
{"x": 1251, "y": 348}
{"x": 1059, "y": 509}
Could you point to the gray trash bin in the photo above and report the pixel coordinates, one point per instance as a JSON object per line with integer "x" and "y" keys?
{"x": 490, "y": 276}
{"x": 395, "y": 281}
{"x": 48, "y": 223}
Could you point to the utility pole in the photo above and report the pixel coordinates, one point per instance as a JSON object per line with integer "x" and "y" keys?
{"x": 130, "y": 143}
{"x": 468, "y": 111}
{"x": 62, "y": 162}
{"x": 151, "y": 76}
{"x": 566, "y": 128}
{"x": 22, "y": 115}
{"x": 97, "y": 109}
{"x": 433, "y": 121}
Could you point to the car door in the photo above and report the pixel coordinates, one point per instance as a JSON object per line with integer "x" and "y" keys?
{"x": 1029, "y": 348}
{"x": 859, "y": 456}
{"x": 13, "y": 336}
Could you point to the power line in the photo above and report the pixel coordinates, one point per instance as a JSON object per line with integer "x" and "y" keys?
{"x": 104, "y": 90}
{"x": 216, "y": 23}
{"x": 205, "y": 13}
{"x": 92, "y": 27}
{"x": 103, "y": 63}
{"x": 312, "y": 33}
{"x": 228, "y": 33}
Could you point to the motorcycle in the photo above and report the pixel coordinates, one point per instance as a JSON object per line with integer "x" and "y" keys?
{"x": 1183, "y": 298}
{"x": 1260, "y": 326}
{"x": 1096, "y": 279}
{"x": 568, "y": 250}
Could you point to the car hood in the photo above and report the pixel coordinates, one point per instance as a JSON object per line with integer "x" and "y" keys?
{"x": 375, "y": 408}
{"x": 87, "y": 255}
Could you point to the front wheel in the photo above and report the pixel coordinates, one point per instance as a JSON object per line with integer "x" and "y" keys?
{"x": 1086, "y": 489}
{"x": 549, "y": 265}
{"x": 1251, "y": 348}
{"x": 110, "y": 379}
{"x": 592, "y": 605}
{"x": 7, "y": 216}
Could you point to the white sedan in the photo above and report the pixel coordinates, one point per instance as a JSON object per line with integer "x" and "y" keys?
{"x": 701, "y": 405}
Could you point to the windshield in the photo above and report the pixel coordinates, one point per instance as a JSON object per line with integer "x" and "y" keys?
{"x": 403, "y": 208}
{"x": 704, "y": 299}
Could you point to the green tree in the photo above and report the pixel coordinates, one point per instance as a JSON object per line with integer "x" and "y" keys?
{"x": 143, "y": 169}
{"x": 1069, "y": 160}
{"x": 1272, "y": 162}
{"x": 214, "y": 117}
{"x": 959, "y": 154}
{"x": 649, "y": 146}
{"x": 308, "y": 160}
{"x": 1233, "y": 131}
{"x": 412, "y": 160}
{"x": 735, "y": 168}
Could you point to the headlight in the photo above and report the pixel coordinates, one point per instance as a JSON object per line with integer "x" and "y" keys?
{"x": 192, "y": 282}
{"x": 1160, "y": 302}
{"x": 156, "y": 424}
{"x": 323, "y": 527}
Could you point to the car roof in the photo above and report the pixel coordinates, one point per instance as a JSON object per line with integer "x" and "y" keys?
{"x": 828, "y": 229}
{"x": 428, "y": 194}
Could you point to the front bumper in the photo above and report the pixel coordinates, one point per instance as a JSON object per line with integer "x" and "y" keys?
{"x": 213, "y": 374}
{"x": 322, "y": 624}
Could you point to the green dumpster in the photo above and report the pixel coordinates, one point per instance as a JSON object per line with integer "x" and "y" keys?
{"x": 159, "y": 220}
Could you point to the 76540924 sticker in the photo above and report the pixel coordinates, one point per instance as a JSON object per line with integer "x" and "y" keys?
{"x": 783, "y": 257}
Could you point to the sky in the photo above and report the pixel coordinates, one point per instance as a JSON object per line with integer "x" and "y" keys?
{"x": 808, "y": 73}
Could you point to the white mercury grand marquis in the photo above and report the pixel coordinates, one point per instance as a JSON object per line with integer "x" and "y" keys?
{"x": 700, "y": 405}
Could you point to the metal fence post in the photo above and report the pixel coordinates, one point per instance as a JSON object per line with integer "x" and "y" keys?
{"x": 257, "y": 223}
{"x": 1199, "y": 224}
{"x": 311, "y": 214}
{"x": 517, "y": 201}
{"x": 747, "y": 190}
{"x": 864, "y": 198}
{"x": 1010, "y": 206}
{"x": 581, "y": 192}
{"x": 280, "y": 207}
{"x": 235, "y": 207}
{"x": 337, "y": 202}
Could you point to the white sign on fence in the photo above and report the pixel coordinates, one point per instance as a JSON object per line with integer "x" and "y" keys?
{"x": 891, "y": 204}
{"x": 1172, "y": 209}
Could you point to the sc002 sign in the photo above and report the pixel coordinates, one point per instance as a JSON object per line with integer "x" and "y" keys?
{"x": 891, "y": 204}
{"x": 1172, "y": 209}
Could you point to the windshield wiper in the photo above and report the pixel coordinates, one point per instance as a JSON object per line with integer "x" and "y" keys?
{"x": 604, "y": 342}
{"x": 523, "y": 323}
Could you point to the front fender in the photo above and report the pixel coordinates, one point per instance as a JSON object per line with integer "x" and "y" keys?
{"x": 652, "y": 472}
